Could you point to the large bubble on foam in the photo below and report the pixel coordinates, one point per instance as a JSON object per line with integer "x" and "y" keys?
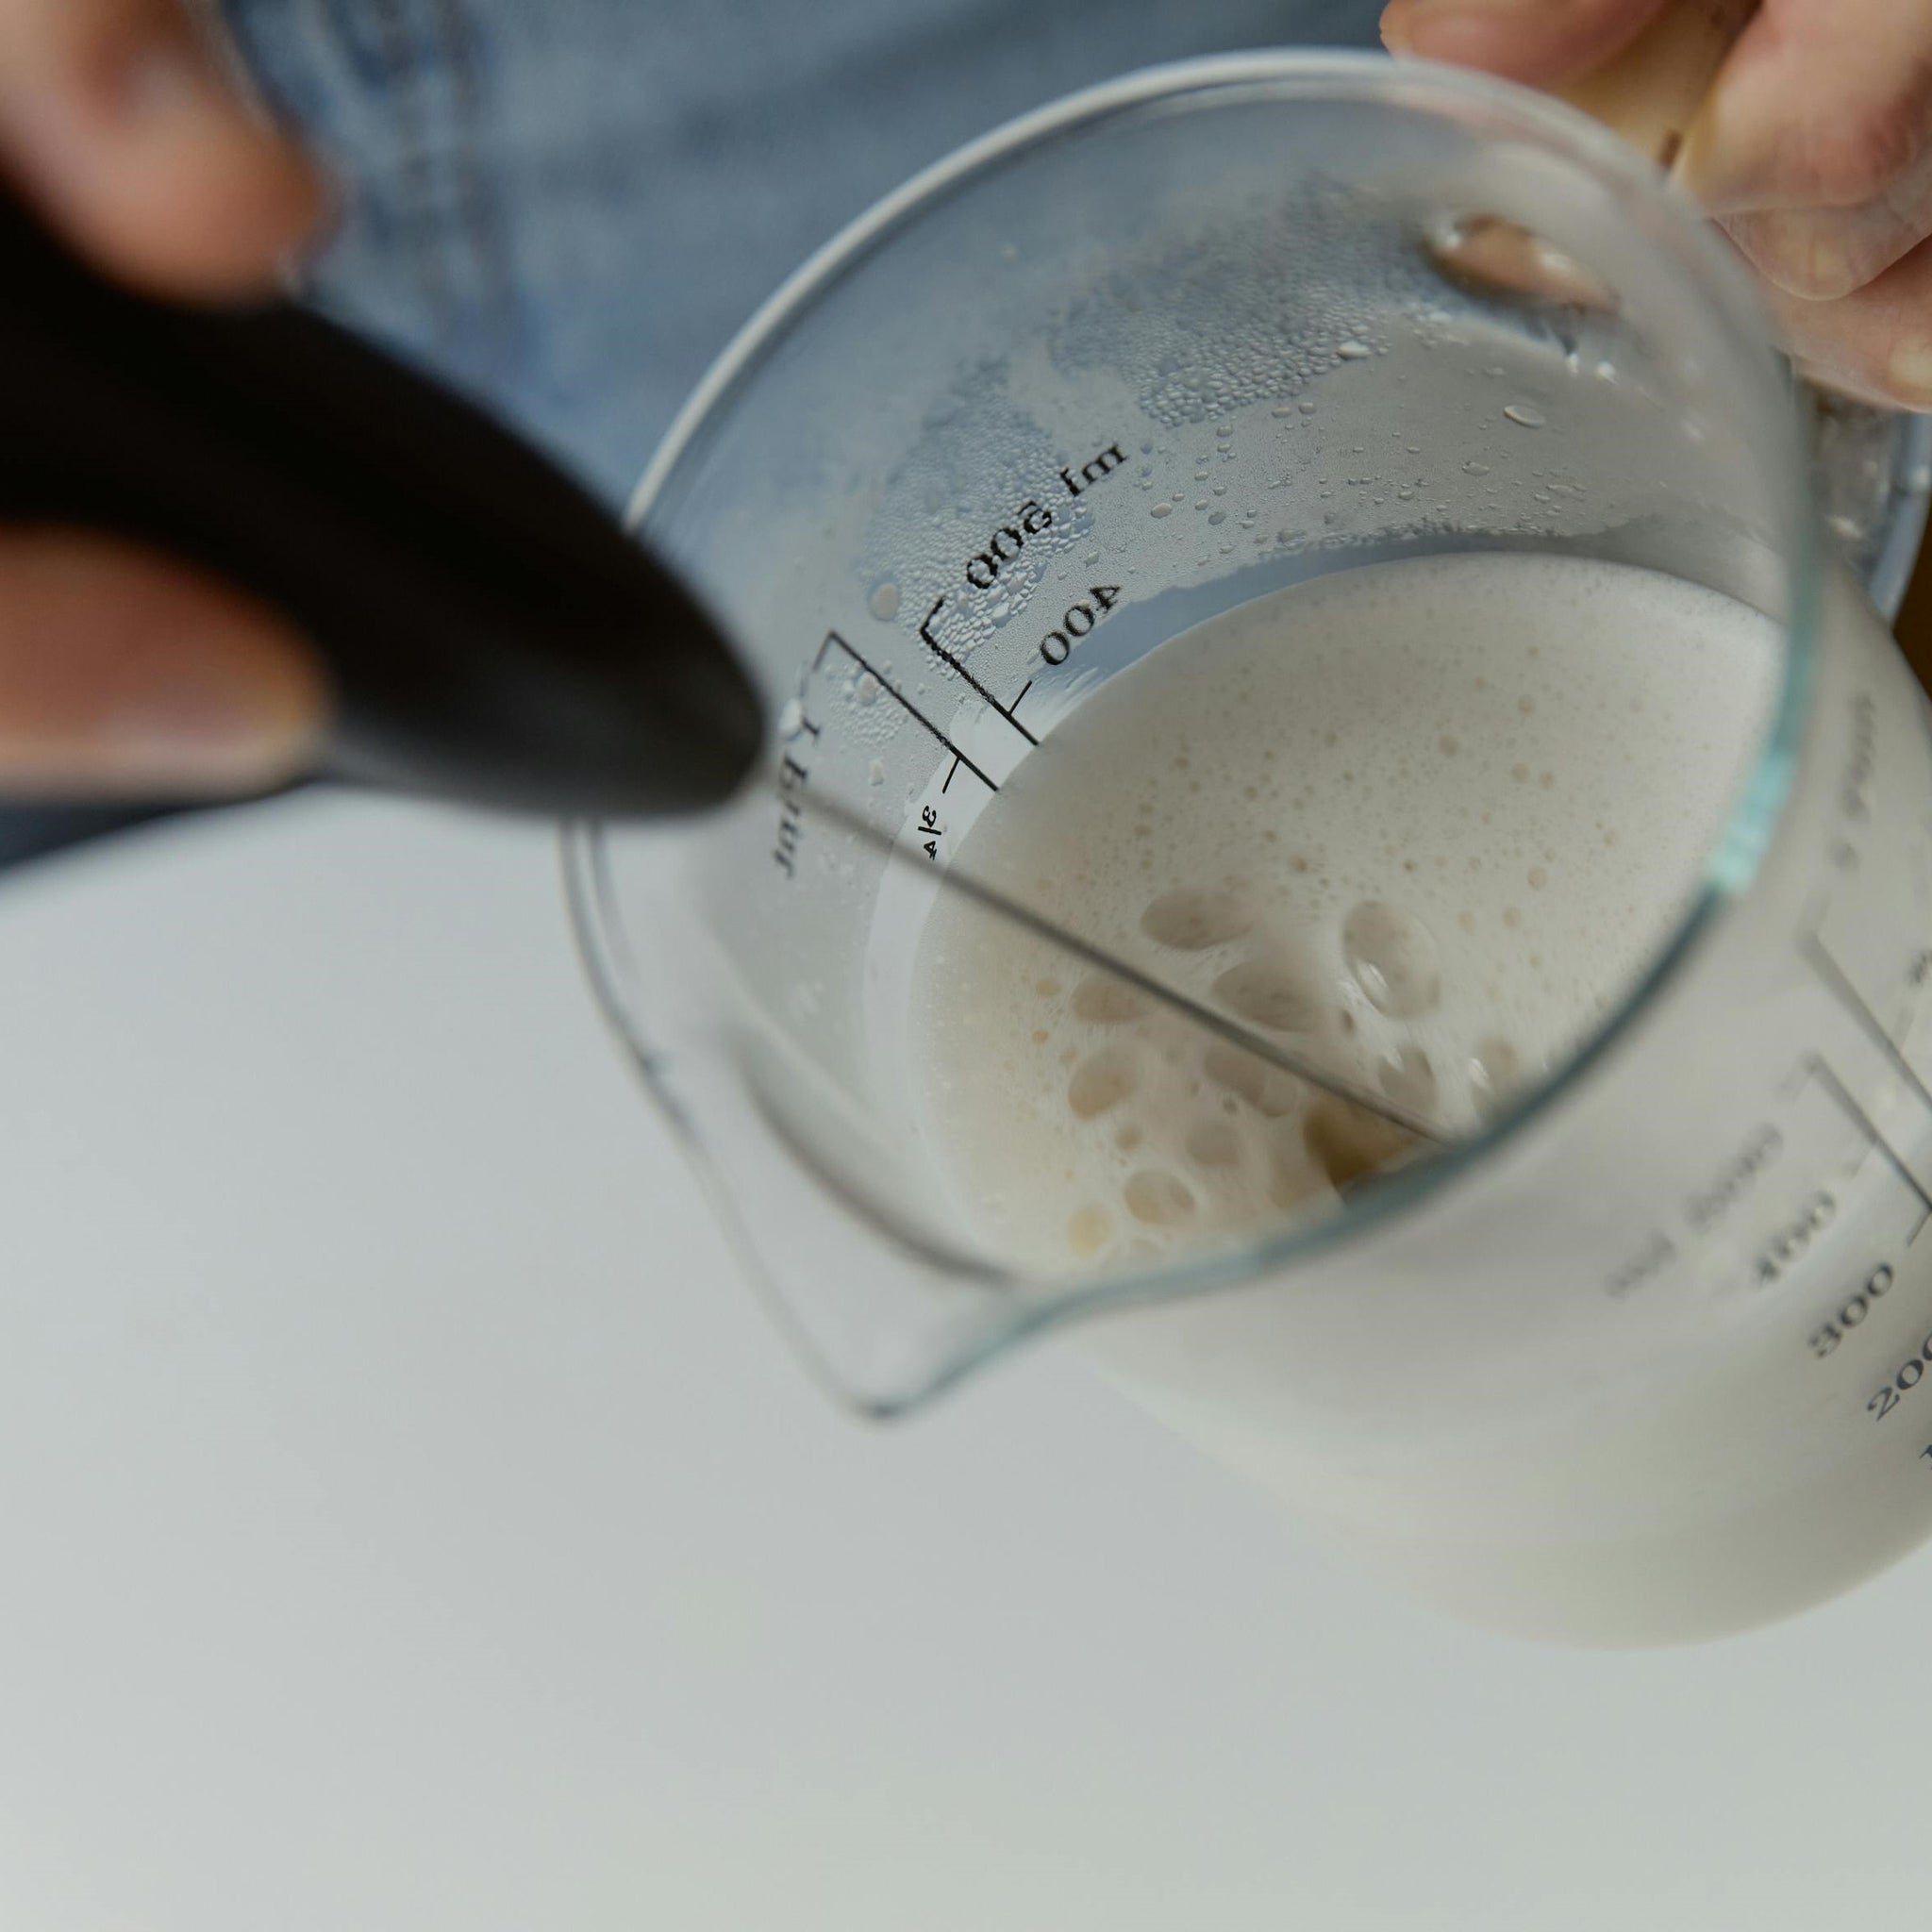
{"x": 1269, "y": 1089}
{"x": 1101, "y": 1000}
{"x": 1348, "y": 1143}
{"x": 1408, "y": 1077}
{"x": 1271, "y": 994}
{"x": 1214, "y": 1143}
{"x": 1392, "y": 955}
{"x": 1101, "y": 1082}
{"x": 1495, "y": 1072}
{"x": 1158, "y": 1197}
{"x": 1192, "y": 918}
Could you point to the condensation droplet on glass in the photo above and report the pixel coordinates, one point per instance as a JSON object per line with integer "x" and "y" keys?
{"x": 885, "y": 602}
{"x": 1476, "y": 469}
{"x": 791, "y": 719}
{"x": 1161, "y": 509}
{"x": 866, "y": 692}
{"x": 1307, "y": 406}
{"x": 1353, "y": 351}
{"x": 877, "y": 773}
{"x": 1524, "y": 415}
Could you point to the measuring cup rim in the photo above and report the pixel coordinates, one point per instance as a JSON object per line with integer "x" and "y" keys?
{"x": 1329, "y": 77}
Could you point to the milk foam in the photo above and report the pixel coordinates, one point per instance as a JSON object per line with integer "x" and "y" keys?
{"x": 1423, "y": 822}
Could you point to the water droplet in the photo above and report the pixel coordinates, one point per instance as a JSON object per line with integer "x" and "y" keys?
{"x": 791, "y": 718}
{"x": 1161, "y": 509}
{"x": 1476, "y": 469}
{"x": 885, "y": 602}
{"x": 866, "y": 692}
{"x": 1353, "y": 351}
{"x": 877, "y": 773}
{"x": 1307, "y": 406}
{"x": 1526, "y": 415}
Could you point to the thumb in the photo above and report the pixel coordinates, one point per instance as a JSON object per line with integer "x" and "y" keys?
{"x": 1542, "y": 43}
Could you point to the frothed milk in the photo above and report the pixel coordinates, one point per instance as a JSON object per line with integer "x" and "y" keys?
{"x": 1423, "y": 821}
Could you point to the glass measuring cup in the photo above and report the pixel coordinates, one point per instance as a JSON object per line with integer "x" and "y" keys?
{"x": 1618, "y": 1367}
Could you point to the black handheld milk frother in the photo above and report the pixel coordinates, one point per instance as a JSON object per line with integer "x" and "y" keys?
{"x": 491, "y": 633}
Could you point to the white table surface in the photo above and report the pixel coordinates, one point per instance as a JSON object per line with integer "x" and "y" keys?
{"x": 408, "y": 1523}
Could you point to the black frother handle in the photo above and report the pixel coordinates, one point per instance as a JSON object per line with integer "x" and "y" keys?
{"x": 493, "y": 635}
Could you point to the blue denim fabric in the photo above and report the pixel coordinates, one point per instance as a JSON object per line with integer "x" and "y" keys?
{"x": 569, "y": 206}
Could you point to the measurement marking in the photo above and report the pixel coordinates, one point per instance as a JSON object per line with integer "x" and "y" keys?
{"x": 1849, "y": 997}
{"x": 939, "y": 650}
{"x": 950, "y": 771}
{"x": 1023, "y": 916}
{"x": 1021, "y": 693}
{"x": 959, "y": 758}
{"x": 1862, "y": 1121}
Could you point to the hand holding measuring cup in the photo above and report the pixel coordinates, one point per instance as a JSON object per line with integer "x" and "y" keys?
{"x": 122, "y": 670}
{"x": 1813, "y": 151}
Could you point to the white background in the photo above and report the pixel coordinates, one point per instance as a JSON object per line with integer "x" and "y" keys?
{"x": 409, "y": 1523}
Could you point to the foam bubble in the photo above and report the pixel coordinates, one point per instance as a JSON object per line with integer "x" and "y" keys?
{"x": 1158, "y": 1197}
{"x": 1214, "y": 1143}
{"x": 1100, "y": 1082}
{"x": 1392, "y": 955}
{"x": 1192, "y": 918}
{"x": 1263, "y": 814}
{"x": 1348, "y": 1143}
{"x": 1269, "y": 993}
{"x": 1102, "y": 1000}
